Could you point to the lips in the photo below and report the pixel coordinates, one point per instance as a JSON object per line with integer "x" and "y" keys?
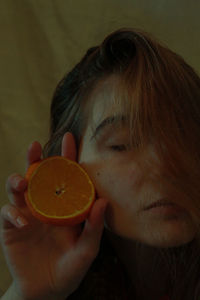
{"x": 160, "y": 202}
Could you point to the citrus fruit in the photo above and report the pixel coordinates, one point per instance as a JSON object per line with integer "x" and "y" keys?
{"x": 59, "y": 191}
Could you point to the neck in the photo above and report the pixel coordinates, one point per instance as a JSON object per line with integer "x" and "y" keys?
{"x": 145, "y": 268}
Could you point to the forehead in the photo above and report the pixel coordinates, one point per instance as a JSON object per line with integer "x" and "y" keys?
{"x": 103, "y": 101}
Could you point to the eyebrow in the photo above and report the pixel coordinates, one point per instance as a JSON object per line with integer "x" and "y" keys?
{"x": 106, "y": 122}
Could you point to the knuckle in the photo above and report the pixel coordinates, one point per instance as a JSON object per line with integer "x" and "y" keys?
{"x": 85, "y": 257}
{"x": 4, "y": 210}
{"x": 10, "y": 181}
{"x": 9, "y": 207}
{"x": 88, "y": 254}
{"x": 15, "y": 183}
{"x": 10, "y": 196}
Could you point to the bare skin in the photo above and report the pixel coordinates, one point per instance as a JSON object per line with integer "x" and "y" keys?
{"x": 117, "y": 177}
{"x": 46, "y": 262}
{"x": 119, "y": 182}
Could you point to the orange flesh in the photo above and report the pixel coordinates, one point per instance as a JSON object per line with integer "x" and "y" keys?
{"x": 59, "y": 189}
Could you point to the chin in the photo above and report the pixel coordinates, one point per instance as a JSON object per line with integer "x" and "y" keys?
{"x": 169, "y": 242}
{"x": 160, "y": 232}
{"x": 170, "y": 238}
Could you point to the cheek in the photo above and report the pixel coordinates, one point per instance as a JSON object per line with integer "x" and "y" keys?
{"x": 104, "y": 183}
{"x": 135, "y": 178}
{"x": 117, "y": 184}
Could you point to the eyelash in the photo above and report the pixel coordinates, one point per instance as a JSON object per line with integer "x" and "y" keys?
{"x": 118, "y": 148}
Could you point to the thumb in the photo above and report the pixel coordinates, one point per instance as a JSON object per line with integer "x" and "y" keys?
{"x": 94, "y": 225}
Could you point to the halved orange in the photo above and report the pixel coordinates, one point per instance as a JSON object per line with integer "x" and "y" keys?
{"x": 59, "y": 191}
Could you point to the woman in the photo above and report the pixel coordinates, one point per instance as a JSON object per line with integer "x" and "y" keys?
{"x": 129, "y": 113}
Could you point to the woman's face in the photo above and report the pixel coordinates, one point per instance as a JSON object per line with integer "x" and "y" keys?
{"x": 117, "y": 177}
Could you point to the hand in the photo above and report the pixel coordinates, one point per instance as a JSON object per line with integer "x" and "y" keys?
{"x": 45, "y": 261}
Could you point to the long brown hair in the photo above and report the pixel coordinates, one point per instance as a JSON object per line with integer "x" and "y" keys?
{"x": 159, "y": 93}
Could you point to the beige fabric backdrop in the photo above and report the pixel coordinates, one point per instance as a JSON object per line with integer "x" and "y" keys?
{"x": 41, "y": 39}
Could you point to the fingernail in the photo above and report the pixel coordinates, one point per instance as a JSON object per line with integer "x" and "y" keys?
{"x": 16, "y": 182}
{"x": 21, "y": 221}
{"x": 30, "y": 145}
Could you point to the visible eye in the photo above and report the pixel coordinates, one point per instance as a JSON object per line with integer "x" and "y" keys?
{"x": 118, "y": 147}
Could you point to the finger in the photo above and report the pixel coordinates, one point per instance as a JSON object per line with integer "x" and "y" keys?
{"x": 69, "y": 146}
{"x": 69, "y": 233}
{"x": 15, "y": 187}
{"x": 91, "y": 235}
{"x": 11, "y": 217}
{"x": 34, "y": 153}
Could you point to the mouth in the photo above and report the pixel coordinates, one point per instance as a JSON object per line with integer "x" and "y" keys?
{"x": 164, "y": 207}
{"x": 160, "y": 202}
